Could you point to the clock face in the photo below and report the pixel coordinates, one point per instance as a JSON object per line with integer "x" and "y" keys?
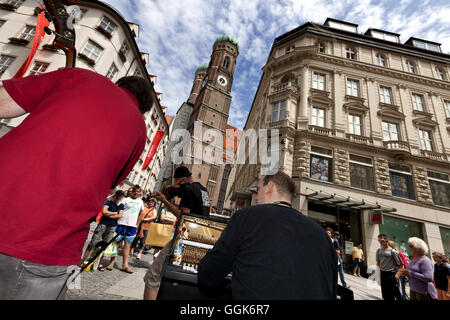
{"x": 222, "y": 80}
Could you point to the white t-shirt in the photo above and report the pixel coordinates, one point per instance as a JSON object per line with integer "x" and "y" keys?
{"x": 132, "y": 207}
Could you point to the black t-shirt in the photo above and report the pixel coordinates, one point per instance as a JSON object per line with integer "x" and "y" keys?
{"x": 440, "y": 276}
{"x": 274, "y": 252}
{"x": 113, "y": 207}
{"x": 195, "y": 198}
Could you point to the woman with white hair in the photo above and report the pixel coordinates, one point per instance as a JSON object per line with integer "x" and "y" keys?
{"x": 420, "y": 272}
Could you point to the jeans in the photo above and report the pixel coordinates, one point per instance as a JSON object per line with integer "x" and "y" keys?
{"x": 341, "y": 272}
{"x": 389, "y": 286}
{"x": 25, "y": 280}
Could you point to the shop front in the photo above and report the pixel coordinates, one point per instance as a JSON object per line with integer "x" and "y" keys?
{"x": 345, "y": 216}
{"x": 445, "y": 236}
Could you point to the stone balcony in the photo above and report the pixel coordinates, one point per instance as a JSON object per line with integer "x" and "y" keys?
{"x": 359, "y": 139}
{"x": 399, "y": 148}
{"x": 433, "y": 155}
{"x": 322, "y": 131}
{"x": 285, "y": 86}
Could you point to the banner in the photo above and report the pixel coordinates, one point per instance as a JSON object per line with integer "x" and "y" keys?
{"x": 153, "y": 147}
{"x": 42, "y": 22}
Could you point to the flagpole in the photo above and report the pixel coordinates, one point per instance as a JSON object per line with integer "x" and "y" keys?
{"x": 154, "y": 158}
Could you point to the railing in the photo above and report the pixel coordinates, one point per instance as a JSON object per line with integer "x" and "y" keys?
{"x": 285, "y": 86}
{"x": 433, "y": 155}
{"x": 397, "y": 145}
{"x": 359, "y": 139}
{"x": 322, "y": 131}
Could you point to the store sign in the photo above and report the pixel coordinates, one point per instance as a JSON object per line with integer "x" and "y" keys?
{"x": 348, "y": 247}
{"x": 240, "y": 203}
{"x": 376, "y": 218}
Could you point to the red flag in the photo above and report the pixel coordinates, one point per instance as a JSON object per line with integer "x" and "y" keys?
{"x": 153, "y": 147}
{"x": 42, "y": 22}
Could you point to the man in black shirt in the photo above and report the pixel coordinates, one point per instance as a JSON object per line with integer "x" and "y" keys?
{"x": 274, "y": 251}
{"x": 195, "y": 200}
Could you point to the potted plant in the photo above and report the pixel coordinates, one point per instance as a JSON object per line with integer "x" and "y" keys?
{"x": 7, "y": 6}
{"x": 50, "y": 47}
{"x": 122, "y": 56}
{"x": 19, "y": 41}
{"x": 104, "y": 32}
{"x": 87, "y": 59}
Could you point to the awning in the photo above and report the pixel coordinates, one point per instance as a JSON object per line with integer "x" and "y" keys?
{"x": 346, "y": 202}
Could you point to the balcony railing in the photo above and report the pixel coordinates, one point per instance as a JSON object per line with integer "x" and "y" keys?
{"x": 397, "y": 145}
{"x": 359, "y": 139}
{"x": 322, "y": 131}
{"x": 433, "y": 155}
{"x": 285, "y": 86}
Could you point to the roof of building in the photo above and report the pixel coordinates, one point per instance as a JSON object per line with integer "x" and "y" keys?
{"x": 227, "y": 38}
{"x": 202, "y": 67}
{"x": 169, "y": 119}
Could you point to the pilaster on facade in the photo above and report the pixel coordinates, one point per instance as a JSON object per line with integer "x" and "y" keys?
{"x": 422, "y": 185}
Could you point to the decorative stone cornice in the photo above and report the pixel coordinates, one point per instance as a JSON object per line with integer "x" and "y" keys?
{"x": 320, "y": 97}
{"x": 392, "y": 113}
{"x": 425, "y": 122}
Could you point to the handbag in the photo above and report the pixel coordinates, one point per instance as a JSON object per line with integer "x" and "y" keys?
{"x": 159, "y": 234}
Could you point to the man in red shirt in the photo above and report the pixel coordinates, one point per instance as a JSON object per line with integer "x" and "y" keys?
{"x": 82, "y": 137}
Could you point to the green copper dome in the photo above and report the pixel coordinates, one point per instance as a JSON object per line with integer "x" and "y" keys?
{"x": 202, "y": 67}
{"x": 225, "y": 38}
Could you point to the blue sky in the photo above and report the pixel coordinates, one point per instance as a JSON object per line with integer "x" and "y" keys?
{"x": 179, "y": 35}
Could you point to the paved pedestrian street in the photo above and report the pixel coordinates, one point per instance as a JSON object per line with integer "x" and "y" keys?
{"x": 118, "y": 285}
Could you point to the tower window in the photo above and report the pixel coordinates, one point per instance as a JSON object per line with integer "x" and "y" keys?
{"x": 226, "y": 63}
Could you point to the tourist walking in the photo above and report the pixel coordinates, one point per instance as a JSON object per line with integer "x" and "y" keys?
{"x": 420, "y": 272}
{"x": 390, "y": 264}
{"x": 401, "y": 279}
{"x": 441, "y": 276}
{"x": 358, "y": 258}
{"x": 150, "y": 214}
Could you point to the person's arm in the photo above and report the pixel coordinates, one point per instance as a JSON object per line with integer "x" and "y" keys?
{"x": 218, "y": 262}
{"x": 425, "y": 273}
{"x": 110, "y": 214}
{"x": 176, "y": 211}
{"x": 8, "y": 107}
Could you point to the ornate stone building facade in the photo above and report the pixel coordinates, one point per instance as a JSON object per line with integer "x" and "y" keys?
{"x": 364, "y": 123}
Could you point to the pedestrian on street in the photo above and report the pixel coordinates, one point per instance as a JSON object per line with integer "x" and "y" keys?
{"x": 273, "y": 250}
{"x": 358, "y": 258}
{"x": 133, "y": 213}
{"x": 337, "y": 245}
{"x": 72, "y": 133}
{"x": 441, "y": 276}
{"x": 150, "y": 214}
{"x": 401, "y": 279}
{"x": 390, "y": 265}
{"x": 106, "y": 228}
{"x": 194, "y": 199}
{"x": 420, "y": 272}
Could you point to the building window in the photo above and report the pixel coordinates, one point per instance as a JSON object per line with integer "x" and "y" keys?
{"x": 28, "y": 33}
{"x": 354, "y": 124}
{"x": 440, "y": 188}
{"x": 16, "y": 3}
{"x": 381, "y": 61}
{"x": 112, "y": 72}
{"x": 440, "y": 74}
{"x": 279, "y": 111}
{"x": 108, "y": 25}
{"x": 353, "y": 88}
{"x": 426, "y": 45}
{"x": 137, "y": 73}
{"x": 425, "y": 140}
{"x": 390, "y": 131}
{"x": 92, "y": 50}
{"x": 361, "y": 172}
{"x": 321, "y": 164}
{"x": 401, "y": 181}
{"x": 321, "y": 47}
{"x": 38, "y": 68}
{"x": 350, "y": 53}
{"x": 447, "y": 108}
{"x": 290, "y": 49}
{"x": 410, "y": 67}
{"x": 318, "y": 117}
{"x": 5, "y": 62}
{"x": 385, "y": 95}
{"x": 226, "y": 63}
{"x": 418, "y": 103}
{"x": 318, "y": 81}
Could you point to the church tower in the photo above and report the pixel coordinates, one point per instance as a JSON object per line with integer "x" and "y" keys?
{"x": 211, "y": 97}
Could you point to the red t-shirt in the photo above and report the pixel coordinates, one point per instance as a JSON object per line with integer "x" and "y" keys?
{"x": 82, "y": 137}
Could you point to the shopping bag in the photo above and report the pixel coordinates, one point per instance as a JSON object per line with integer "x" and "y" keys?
{"x": 378, "y": 276}
{"x": 159, "y": 234}
{"x": 94, "y": 265}
{"x": 111, "y": 250}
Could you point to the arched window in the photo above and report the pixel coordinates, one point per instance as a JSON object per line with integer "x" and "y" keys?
{"x": 226, "y": 63}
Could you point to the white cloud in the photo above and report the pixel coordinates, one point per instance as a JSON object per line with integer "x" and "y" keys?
{"x": 179, "y": 34}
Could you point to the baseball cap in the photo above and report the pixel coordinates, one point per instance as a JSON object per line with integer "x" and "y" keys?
{"x": 182, "y": 172}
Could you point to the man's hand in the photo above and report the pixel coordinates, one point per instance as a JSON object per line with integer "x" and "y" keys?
{"x": 160, "y": 197}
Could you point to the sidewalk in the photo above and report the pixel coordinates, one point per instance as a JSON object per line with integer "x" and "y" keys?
{"x": 118, "y": 285}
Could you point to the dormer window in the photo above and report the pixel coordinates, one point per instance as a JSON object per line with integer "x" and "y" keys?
{"x": 426, "y": 45}
{"x": 384, "y": 36}
{"x": 342, "y": 25}
{"x": 350, "y": 53}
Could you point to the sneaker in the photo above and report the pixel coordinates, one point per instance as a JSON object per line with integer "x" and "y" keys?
{"x": 354, "y": 275}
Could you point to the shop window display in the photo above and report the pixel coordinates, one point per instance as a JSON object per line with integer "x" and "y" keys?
{"x": 400, "y": 230}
